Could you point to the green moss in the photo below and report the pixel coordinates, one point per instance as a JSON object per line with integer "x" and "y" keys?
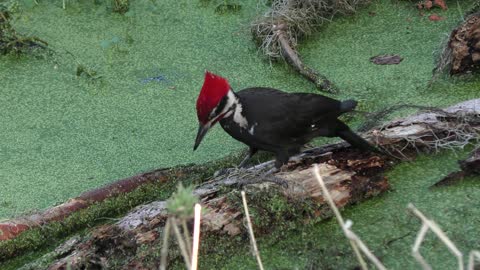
{"x": 63, "y": 135}
{"x": 383, "y": 223}
{"x": 50, "y": 235}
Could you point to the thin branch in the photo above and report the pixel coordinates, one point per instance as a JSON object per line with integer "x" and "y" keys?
{"x": 430, "y": 224}
{"x": 181, "y": 244}
{"x": 164, "y": 252}
{"x": 186, "y": 235}
{"x": 474, "y": 254}
{"x": 352, "y": 236}
{"x": 415, "y": 249}
{"x": 291, "y": 56}
{"x": 196, "y": 236}
{"x": 339, "y": 217}
{"x": 250, "y": 230}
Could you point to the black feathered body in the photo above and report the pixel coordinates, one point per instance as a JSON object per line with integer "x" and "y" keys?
{"x": 282, "y": 123}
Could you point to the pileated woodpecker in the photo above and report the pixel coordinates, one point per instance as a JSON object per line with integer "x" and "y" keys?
{"x": 271, "y": 120}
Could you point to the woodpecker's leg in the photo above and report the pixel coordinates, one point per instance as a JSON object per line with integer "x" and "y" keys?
{"x": 282, "y": 158}
{"x": 251, "y": 152}
{"x": 242, "y": 164}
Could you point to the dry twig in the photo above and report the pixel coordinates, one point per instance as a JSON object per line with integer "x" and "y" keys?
{"x": 164, "y": 252}
{"x": 196, "y": 236}
{"x": 250, "y": 230}
{"x": 431, "y": 225}
{"x": 339, "y": 217}
{"x": 181, "y": 243}
{"x": 474, "y": 254}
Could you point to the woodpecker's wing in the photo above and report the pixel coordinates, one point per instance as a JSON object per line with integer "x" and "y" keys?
{"x": 282, "y": 117}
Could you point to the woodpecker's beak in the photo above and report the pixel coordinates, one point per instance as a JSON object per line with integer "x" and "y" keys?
{"x": 202, "y": 130}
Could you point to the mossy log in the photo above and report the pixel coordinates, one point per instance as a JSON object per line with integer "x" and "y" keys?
{"x": 350, "y": 175}
{"x": 10, "y": 229}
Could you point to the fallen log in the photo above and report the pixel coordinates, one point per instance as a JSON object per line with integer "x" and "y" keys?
{"x": 350, "y": 181}
{"x": 350, "y": 175}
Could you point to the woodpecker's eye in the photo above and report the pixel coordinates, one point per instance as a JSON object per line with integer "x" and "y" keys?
{"x": 221, "y": 105}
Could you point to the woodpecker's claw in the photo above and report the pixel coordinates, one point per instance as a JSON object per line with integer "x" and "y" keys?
{"x": 271, "y": 171}
{"x": 242, "y": 177}
{"x": 224, "y": 171}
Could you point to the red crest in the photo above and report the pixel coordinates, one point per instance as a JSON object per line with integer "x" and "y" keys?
{"x": 213, "y": 90}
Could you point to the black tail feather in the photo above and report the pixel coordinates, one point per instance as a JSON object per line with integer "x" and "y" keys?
{"x": 354, "y": 139}
{"x": 348, "y": 105}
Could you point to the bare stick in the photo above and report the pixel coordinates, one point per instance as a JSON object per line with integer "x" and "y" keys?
{"x": 250, "y": 230}
{"x": 186, "y": 235}
{"x": 471, "y": 260}
{"x": 181, "y": 243}
{"x": 292, "y": 58}
{"x": 196, "y": 236}
{"x": 415, "y": 249}
{"x": 164, "y": 252}
{"x": 352, "y": 236}
{"x": 339, "y": 217}
{"x": 430, "y": 224}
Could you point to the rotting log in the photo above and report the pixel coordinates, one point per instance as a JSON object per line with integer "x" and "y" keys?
{"x": 461, "y": 54}
{"x": 350, "y": 181}
{"x": 350, "y": 175}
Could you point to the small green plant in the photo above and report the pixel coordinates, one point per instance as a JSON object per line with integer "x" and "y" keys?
{"x": 120, "y": 6}
{"x": 181, "y": 209}
{"x": 182, "y": 201}
{"x": 88, "y": 72}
